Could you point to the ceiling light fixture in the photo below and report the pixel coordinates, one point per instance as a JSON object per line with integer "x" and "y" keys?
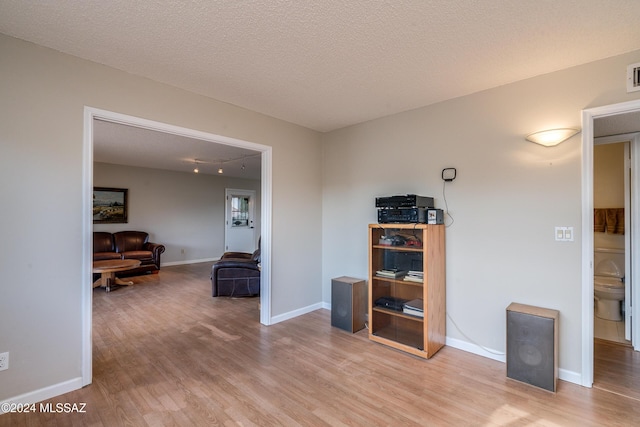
{"x": 221, "y": 163}
{"x": 551, "y": 137}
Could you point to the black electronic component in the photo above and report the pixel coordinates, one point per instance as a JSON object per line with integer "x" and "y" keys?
{"x": 406, "y": 215}
{"x": 408, "y": 201}
{"x": 411, "y": 216}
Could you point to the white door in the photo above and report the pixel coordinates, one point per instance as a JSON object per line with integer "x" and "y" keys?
{"x": 239, "y": 233}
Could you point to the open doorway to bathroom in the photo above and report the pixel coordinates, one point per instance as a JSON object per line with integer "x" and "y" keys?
{"x": 616, "y": 197}
{"x": 611, "y": 201}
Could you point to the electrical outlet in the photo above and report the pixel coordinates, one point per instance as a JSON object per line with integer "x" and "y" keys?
{"x": 4, "y": 361}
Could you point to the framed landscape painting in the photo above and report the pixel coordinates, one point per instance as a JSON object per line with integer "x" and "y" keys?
{"x": 109, "y": 205}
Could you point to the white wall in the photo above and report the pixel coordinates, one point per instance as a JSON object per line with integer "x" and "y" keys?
{"x": 179, "y": 210}
{"x": 508, "y": 197}
{"x": 44, "y": 94}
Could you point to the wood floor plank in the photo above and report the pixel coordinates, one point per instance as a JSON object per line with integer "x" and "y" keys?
{"x": 617, "y": 368}
{"x": 168, "y": 354}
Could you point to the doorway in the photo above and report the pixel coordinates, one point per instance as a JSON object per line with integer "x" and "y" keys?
{"x": 239, "y": 229}
{"x": 612, "y": 237}
{"x": 588, "y": 118}
{"x": 92, "y": 114}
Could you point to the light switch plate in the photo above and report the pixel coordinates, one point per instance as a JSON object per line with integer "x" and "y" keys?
{"x": 568, "y": 234}
{"x": 564, "y": 234}
{"x": 559, "y": 234}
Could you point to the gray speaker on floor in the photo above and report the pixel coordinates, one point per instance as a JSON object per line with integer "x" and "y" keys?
{"x": 532, "y": 345}
{"x": 348, "y": 303}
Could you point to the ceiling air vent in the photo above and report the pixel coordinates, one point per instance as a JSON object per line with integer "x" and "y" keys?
{"x": 633, "y": 77}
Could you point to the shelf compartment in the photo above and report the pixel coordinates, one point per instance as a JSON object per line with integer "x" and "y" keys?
{"x": 398, "y": 327}
{"x": 393, "y": 259}
{"x": 398, "y": 313}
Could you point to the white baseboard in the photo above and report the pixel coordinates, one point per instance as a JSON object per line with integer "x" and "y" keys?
{"x": 563, "y": 374}
{"x": 570, "y": 376}
{"x": 472, "y": 348}
{"x": 45, "y": 393}
{"x": 295, "y": 313}
{"x": 190, "y": 261}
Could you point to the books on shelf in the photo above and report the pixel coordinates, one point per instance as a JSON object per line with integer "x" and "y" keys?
{"x": 416, "y": 304}
{"x": 391, "y": 274}
{"x": 413, "y": 312}
{"x": 414, "y": 307}
{"x": 414, "y": 276}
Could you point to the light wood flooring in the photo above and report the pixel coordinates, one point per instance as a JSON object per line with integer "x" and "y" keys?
{"x": 616, "y": 369}
{"x": 167, "y": 353}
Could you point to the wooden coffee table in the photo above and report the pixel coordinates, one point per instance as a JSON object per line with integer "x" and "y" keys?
{"x": 108, "y": 269}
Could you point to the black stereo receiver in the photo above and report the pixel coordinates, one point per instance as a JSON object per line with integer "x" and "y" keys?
{"x": 411, "y": 216}
{"x": 408, "y": 201}
{"x": 405, "y": 215}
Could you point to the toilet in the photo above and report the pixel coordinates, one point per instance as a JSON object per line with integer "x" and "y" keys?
{"x": 608, "y": 283}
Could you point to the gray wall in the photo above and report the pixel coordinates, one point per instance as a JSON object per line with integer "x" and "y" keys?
{"x": 508, "y": 197}
{"x": 44, "y": 94}
{"x": 180, "y": 210}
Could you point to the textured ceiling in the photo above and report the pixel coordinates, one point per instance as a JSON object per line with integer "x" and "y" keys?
{"x": 320, "y": 64}
{"x": 618, "y": 124}
{"x": 331, "y": 63}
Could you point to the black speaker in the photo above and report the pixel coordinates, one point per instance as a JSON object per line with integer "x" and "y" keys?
{"x": 348, "y": 303}
{"x": 532, "y": 345}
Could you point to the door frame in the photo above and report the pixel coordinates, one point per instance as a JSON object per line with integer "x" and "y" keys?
{"x": 90, "y": 114}
{"x": 252, "y": 194}
{"x": 588, "y": 116}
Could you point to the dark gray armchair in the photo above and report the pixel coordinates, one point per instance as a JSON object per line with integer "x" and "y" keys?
{"x": 236, "y": 274}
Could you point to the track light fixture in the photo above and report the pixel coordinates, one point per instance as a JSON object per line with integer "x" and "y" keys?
{"x": 220, "y": 163}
